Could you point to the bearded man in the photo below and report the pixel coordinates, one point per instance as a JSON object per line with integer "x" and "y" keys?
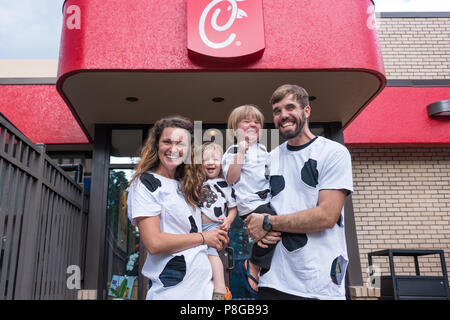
{"x": 310, "y": 178}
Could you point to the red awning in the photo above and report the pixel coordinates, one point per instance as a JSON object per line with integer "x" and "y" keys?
{"x": 398, "y": 115}
{"x": 40, "y": 113}
{"x": 113, "y": 52}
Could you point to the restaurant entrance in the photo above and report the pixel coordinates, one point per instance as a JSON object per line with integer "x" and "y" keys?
{"x": 124, "y": 254}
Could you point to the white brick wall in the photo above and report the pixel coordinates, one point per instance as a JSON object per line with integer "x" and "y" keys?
{"x": 402, "y": 200}
{"x": 415, "y": 48}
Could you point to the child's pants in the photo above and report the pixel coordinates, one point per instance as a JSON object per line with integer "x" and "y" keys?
{"x": 262, "y": 257}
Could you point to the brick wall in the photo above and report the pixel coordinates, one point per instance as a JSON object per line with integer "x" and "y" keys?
{"x": 402, "y": 200}
{"x": 415, "y": 48}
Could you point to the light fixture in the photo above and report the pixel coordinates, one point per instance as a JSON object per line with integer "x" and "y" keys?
{"x": 132, "y": 99}
{"x": 218, "y": 99}
{"x": 212, "y": 132}
{"x": 439, "y": 109}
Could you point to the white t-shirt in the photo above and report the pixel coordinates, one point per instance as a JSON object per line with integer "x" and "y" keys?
{"x": 305, "y": 265}
{"x": 216, "y": 198}
{"x": 185, "y": 275}
{"x": 252, "y": 188}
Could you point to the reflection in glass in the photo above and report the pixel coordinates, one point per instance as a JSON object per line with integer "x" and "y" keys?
{"x": 124, "y": 160}
{"x": 122, "y": 239}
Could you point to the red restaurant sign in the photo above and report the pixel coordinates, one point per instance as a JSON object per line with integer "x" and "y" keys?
{"x": 225, "y": 29}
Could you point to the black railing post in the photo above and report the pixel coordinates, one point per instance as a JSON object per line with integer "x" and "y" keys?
{"x": 26, "y": 269}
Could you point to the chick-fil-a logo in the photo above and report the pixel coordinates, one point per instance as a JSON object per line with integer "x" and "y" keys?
{"x": 225, "y": 28}
{"x": 236, "y": 13}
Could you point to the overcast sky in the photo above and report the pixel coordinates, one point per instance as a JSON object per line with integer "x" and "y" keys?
{"x": 30, "y": 29}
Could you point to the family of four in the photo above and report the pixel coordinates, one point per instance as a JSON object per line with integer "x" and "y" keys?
{"x": 291, "y": 200}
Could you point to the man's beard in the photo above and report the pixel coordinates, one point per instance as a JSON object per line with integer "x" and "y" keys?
{"x": 299, "y": 124}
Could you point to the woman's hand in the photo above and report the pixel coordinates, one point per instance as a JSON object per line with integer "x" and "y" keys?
{"x": 216, "y": 238}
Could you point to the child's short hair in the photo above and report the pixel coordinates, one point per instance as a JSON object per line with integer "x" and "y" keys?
{"x": 241, "y": 113}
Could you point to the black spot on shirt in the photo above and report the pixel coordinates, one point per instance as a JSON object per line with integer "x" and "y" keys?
{"x": 219, "y": 191}
{"x": 225, "y": 209}
{"x": 338, "y": 268}
{"x": 222, "y": 184}
{"x": 150, "y": 182}
{"x": 310, "y": 175}
{"x": 294, "y": 241}
{"x": 266, "y": 172}
{"x": 194, "y": 227}
{"x": 276, "y": 185}
{"x": 233, "y": 194}
{"x": 218, "y": 211}
{"x": 263, "y": 194}
{"x": 340, "y": 222}
{"x": 173, "y": 272}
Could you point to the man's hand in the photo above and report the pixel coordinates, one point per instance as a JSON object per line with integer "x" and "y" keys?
{"x": 254, "y": 226}
{"x": 271, "y": 237}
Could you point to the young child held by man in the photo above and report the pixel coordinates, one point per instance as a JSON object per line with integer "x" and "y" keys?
{"x": 245, "y": 165}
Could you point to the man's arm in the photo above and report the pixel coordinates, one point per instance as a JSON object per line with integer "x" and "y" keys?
{"x": 322, "y": 217}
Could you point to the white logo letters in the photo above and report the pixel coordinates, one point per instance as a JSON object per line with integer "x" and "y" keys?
{"x": 236, "y": 13}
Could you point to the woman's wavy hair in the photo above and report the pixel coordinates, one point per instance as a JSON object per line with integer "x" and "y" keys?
{"x": 189, "y": 174}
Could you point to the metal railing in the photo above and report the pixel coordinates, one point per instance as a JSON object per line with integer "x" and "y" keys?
{"x": 43, "y": 221}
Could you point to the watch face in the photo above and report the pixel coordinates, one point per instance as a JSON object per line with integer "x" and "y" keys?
{"x": 267, "y": 226}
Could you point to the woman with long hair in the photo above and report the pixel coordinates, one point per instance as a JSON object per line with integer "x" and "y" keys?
{"x": 163, "y": 202}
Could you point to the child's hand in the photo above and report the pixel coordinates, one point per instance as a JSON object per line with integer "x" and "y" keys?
{"x": 226, "y": 224}
{"x": 243, "y": 146}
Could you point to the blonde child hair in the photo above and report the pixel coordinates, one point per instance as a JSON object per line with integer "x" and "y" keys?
{"x": 241, "y": 113}
{"x": 212, "y": 146}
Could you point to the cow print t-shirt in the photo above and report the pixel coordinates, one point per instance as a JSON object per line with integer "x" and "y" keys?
{"x": 252, "y": 188}
{"x": 310, "y": 265}
{"x": 216, "y": 197}
{"x": 185, "y": 274}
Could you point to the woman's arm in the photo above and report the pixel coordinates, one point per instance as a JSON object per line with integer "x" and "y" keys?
{"x": 157, "y": 242}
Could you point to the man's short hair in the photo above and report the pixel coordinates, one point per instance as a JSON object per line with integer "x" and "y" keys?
{"x": 299, "y": 93}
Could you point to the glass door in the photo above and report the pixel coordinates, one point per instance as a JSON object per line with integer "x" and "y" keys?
{"x": 122, "y": 240}
{"x": 122, "y": 245}
{"x": 123, "y": 253}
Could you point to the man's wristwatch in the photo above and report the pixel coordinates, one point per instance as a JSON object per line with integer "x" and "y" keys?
{"x": 267, "y": 226}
